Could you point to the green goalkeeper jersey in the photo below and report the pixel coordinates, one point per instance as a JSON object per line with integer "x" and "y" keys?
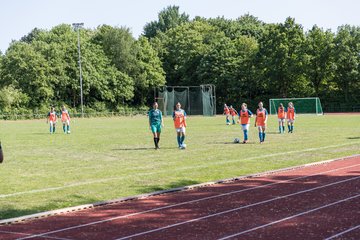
{"x": 155, "y": 116}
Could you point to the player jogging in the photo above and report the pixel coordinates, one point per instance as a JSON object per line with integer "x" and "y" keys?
{"x": 155, "y": 123}
{"x": 179, "y": 117}
{"x": 290, "y": 116}
{"x": 244, "y": 118}
{"x": 52, "y": 118}
{"x": 281, "y": 118}
{"x": 227, "y": 114}
{"x": 65, "y": 119}
{"x": 261, "y": 120}
{"x": 233, "y": 113}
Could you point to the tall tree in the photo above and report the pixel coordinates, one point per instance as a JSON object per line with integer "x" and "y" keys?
{"x": 281, "y": 59}
{"x": 319, "y": 64}
{"x": 26, "y": 69}
{"x": 149, "y": 72}
{"x": 119, "y": 46}
{"x": 347, "y": 58}
{"x": 185, "y": 46}
{"x": 168, "y": 18}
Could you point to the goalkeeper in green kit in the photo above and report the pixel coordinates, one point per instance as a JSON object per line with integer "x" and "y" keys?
{"x": 156, "y": 123}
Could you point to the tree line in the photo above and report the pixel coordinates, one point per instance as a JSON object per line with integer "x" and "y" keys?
{"x": 247, "y": 60}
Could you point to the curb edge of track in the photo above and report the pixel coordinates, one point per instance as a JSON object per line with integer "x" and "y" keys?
{"x": 172, "y": 190}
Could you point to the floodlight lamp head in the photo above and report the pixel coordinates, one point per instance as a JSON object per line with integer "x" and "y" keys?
{"x": 77, "y": 25}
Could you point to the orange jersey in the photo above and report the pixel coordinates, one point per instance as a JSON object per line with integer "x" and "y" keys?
{"x": 244, "y": 117}
{"x": 52, "y": 116}
{"x": 226, "y": 110}
{"x": 179, "y": 117}
{"x": 232, "y": 112}
{"x": 65, "y": 116}
{"x": 261, "y": 117}
{"x": 281, "y": 113}
{"x": 291, "y": 113}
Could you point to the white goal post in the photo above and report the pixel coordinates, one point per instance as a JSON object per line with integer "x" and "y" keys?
{"x": 309, "y": 105}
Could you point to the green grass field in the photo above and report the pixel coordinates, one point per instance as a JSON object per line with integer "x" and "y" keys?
{"x": 108, "y": 158}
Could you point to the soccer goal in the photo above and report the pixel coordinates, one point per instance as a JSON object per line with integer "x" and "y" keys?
{"x": 311, "y": 105}
{"x": 195, "y": 100}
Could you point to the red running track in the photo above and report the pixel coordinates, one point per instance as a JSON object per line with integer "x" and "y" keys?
{"x": 314, "y": 202}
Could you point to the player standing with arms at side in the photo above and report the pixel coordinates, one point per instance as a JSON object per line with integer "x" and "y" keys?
{"x": 156, "y": 123}
{"x": 244, "y": 118}
{"x": 233, "y": 113}
{"x": 227, "y": 114}
{"x": 290, "y": 116}
{"x": 179, "y": 117}
{"x": 52, "y": 118}
{"x": 65, "y": 119}
{"x": 281, "y": 118}
{"x": 261, "y": 121}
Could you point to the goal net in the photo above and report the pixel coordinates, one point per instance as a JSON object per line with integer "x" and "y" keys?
{"x": 302, "y": 105}
{"x": 195, "y": 100}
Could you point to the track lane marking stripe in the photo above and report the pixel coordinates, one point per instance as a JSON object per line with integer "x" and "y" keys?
{"x": 238, "y": 208}
{"x": 187, "y": 202}
{"x": 290, "y": 217}
{"x": 343, "y": 232}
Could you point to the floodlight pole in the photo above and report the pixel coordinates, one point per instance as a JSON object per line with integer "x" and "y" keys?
{"x": 77, "y": 27}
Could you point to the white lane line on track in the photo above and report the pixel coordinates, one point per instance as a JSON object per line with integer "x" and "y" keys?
{"x": 166, "y": 171}
{"x": 236, "y": 209}
{"x": 188, "y": 202}
{"x": 27, "y": 234}
{"x": 343, "y": 232}
{"x": 290, "y": 217}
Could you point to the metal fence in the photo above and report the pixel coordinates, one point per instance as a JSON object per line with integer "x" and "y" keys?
{"x": 128, "y": 112}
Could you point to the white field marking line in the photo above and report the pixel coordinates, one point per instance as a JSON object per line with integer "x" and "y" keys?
{"x": 180, "y": 204}
{"x": 164, "y": 171}
{"x": 236, "y": 209}
{"x": 290, "y": 217}
{"x": 342, "y": 233}
{"x": 26, "y": 234}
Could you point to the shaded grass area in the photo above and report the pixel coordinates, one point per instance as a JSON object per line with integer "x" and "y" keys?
{"x": 107, "y": 158}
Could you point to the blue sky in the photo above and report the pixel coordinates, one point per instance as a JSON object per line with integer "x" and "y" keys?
{"x": 19, "y": 17}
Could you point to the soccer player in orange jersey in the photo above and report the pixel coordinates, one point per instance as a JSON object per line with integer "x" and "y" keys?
{"x": 233, "y": 113}
{"x": 227, "y": 114}
{"x": 65, "y": 119}
{"x": 52, "y": 118}
{"x": 261, "y": 121}
{"x": 290, "y": 116}
{"x": 281, "y": 118}
{"x": 179, "y": 117}
{"x": 244, "y": 119}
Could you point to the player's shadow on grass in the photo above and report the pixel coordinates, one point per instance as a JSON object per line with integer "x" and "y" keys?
{"x": 140, "y": 148}
{"x": 272, "y": 132}
{"x": 173, "y": 185}
{"x": 353, "y": 138}
{"x": 232, "y": 143}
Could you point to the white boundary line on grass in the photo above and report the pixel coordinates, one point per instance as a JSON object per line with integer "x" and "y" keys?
{"x": 236, "y": 209}
{"x": 343, "y": 232}
{"x": 183, "y": 203}
{"x": 157, "y": 172}
{"x": 290, "y": 217}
